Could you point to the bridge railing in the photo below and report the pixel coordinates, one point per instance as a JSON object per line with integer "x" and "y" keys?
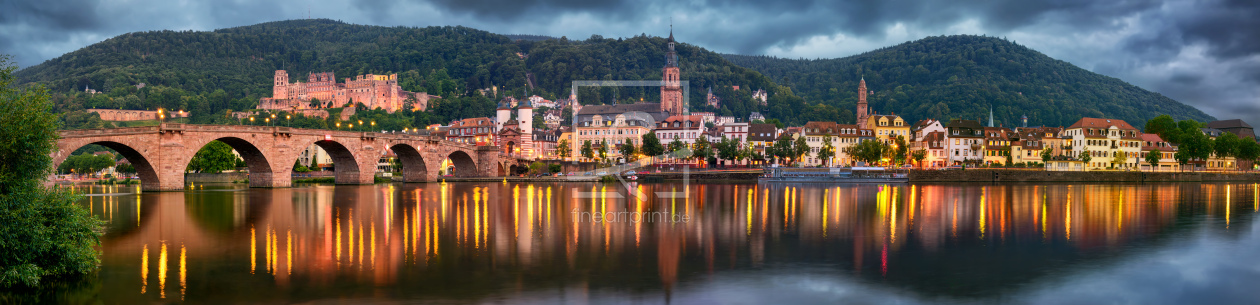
{"x": 77, "y": 133}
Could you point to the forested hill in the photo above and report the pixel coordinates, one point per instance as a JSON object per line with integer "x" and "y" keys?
{"x": 962, "y": 77}
{"x": 209, "y": 72}
{"x": 230, "y": 69}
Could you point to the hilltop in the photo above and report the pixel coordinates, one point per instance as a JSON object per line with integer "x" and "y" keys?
{"x": 209, "y": 72}
{"x": 962, "y": 77}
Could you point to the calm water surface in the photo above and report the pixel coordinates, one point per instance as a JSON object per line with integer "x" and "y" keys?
{"x": 724, "y": 244}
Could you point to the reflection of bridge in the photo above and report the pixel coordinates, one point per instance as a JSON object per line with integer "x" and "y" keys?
{"x": 161, "y": 153}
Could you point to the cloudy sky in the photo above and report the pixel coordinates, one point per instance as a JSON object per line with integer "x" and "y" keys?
{"x": 1205, "y": 53}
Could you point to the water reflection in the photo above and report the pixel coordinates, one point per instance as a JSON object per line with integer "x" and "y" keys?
{"x": 536, "y": 243}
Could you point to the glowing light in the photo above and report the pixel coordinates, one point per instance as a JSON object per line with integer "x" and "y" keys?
{"x": 253, "y": 250}
{"x": 162, "y": 271}
{"x": 183, "y": 271}
{"x": 144, "y": 269}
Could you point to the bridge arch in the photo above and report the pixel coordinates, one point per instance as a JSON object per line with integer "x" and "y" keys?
{"x": 258, "y": 163}
{"x": 465, "y": 165}
{"x": 413, "y": 166}
{"x": 345, "y": 166}
{"x": 144, "y": 168}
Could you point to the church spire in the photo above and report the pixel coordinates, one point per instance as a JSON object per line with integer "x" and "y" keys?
{"x": 990, "y": 116}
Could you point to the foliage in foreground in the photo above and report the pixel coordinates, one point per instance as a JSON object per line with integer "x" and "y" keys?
{"x": 43, "y": 231}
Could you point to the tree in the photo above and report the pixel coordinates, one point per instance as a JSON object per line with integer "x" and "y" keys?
{"x": 745, "y": 153}
{"x": 1226, "y": 145}
{"x": 213, "y": 158}
{"x": 587, "y": 151}
{"x": 676, "y": 145}
{"x": 703, "y": 149}
{"x": 125, "y": 168}
{"x": 1152, "y": 158}
{"x": 314, "y": 165}
{"x": 603, "y": 150}
{"x": 43, "y": 231}
{"x": 783, "y": 148}
{"x": 1248, "y": 150}
{"x": 651, "y": 145}
{"x": 628, "y": 150}
{"x": 1046, "y": 155}
{"x": 1119, "y": 158}
{"x": 1194, "y": 145}
{"x": 1162, "y": 125}
{"x": 1084, "y": 156}
{"x": 537, "y": 168}
{"x": 800, "y": 148}
{"x": 827, "y": 151}
{"x": 901, "y": 151}
{"x": 918, "y": 156}
{"x": 776, "y": 123}
{"x": 298, "y": 167}
{"x": 86, "y": 163}
{"x": 869, "y": 151}
{"x": 563, "y": 149}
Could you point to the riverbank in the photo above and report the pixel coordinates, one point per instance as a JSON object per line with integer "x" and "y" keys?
{"x": 521, "y": 179}
{"x": 1014, "y": 175}
{"x": 751, "y": 175}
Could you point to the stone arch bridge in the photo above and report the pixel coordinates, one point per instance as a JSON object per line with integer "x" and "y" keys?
{"x": 161, "y": 153}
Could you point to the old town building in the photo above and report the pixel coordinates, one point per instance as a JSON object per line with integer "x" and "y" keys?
{"x": 1104, "y": 140}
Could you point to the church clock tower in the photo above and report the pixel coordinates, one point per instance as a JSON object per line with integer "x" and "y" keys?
{"x": 671, "y": 88}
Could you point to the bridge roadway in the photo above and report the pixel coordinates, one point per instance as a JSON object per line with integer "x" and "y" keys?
{"x": 161, "y": 153}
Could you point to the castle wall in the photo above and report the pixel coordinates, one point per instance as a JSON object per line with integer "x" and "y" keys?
{"x": 373, "y": 91}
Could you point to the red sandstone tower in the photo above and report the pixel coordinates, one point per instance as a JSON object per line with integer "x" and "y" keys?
{"x": 280, "y": 91}
{"x": 862, "y": 112}
{"x": 671, "y": 90}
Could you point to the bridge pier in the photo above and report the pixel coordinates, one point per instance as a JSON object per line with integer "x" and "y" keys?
{"x": 273, "y": 179}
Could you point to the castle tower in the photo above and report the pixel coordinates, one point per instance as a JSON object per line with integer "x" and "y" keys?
{"x": 279, "y": 90}
{"x": 863, "y": 113}
{"x": 671, "y": 89}
{"x": 503, "y": 114}
{"x": 525, "y": 115}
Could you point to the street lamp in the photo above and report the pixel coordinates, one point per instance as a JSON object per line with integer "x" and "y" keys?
{"x": 251, "y": 120}
{"x": 338, "y": 125}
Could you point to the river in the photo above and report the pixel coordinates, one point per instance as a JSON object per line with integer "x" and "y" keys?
{"x": 558, "y": 243}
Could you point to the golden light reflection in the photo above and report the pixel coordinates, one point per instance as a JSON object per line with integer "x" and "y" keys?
{"x": 253, "y": 250}
{"x": 144, "y": 269}
{"x": 867, "y": 218}
{"x": 162, "y": 271}
{"x": 983, "y": 213}
{"x": 183, "y": 271}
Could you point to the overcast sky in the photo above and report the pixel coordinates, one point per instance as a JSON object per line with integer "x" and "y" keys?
{"x": 1203, "y": 53}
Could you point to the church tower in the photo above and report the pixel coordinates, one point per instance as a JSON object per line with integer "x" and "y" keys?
{"x": 671, "y": 88}
{"x": 863, "y": 113}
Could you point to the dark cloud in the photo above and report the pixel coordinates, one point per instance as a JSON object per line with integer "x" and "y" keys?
{"x": 67, "y": 15}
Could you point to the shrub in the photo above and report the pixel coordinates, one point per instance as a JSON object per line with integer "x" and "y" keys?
{"x": 43, "y": 231}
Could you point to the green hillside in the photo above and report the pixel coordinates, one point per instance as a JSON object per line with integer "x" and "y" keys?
{"x": 211, "y": 72}
{"x": 962, "y": 76}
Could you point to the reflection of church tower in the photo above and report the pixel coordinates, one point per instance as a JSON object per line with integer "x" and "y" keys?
{"x": 862, "y": 112}
{"x": 671, "y": 89}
